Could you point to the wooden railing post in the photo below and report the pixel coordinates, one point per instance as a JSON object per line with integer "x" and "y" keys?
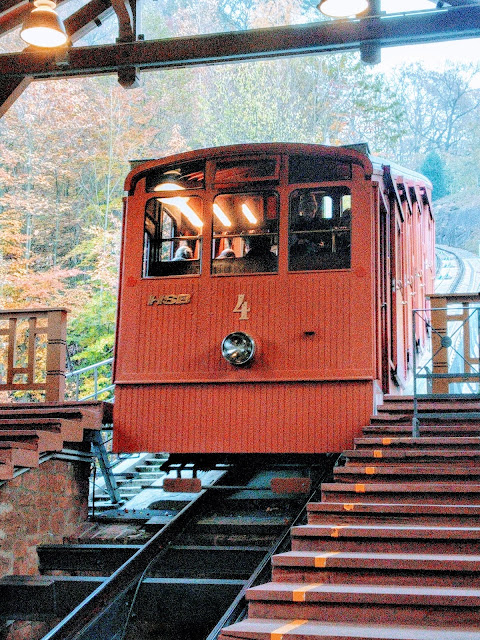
{"x": 56, "y": 355}
{"x": 440, "y": 353}
{"x": 451, "y": 307}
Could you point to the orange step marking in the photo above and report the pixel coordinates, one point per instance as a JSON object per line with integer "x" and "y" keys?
{"x": 348, "y": 506}
{"x": 386, "y": 441}
{"x": 335, "y": 530}
{"x": 281, "y": 631}
{"x": 299, "y": 594}
{"x": 320, "y": 562}
{"x": 370, "y": 471}
{"x": 377, "y": 453}
{"x": 359, "y": 488}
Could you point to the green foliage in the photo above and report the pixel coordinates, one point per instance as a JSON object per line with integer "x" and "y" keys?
{"x": 434, "y": 169}
{"x": 90, "y": 334}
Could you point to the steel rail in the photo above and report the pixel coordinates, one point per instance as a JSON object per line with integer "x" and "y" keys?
{"x": 461, "y": 270}
{"x": 88, "y": 611}
{"x": 238, "y": 607}
{"x": 106, "y": 611}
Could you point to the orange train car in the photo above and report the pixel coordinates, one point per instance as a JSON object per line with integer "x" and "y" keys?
{"x": 266, "y": 297}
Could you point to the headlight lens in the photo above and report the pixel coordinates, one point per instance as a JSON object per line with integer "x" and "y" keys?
{"x": 238, "y": 348}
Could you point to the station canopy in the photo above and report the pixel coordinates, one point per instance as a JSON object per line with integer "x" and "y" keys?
{"x": 127, "y": 37}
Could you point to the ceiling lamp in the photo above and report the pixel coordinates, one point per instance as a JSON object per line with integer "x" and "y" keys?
{"x": 248, "y": 214}
{"x": 342, "y": 8}
{"x": 43, "y": 27}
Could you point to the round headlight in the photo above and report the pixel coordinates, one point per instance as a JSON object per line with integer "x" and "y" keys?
{"x": 238, "y": 348}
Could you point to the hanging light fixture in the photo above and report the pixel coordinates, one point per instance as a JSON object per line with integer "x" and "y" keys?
{"x": 43, "y": 27}
{"x": 342, "y": 8}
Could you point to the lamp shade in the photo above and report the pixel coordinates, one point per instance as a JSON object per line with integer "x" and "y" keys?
{"x": 43, "y": 27}
{"x": 342, "y": 8}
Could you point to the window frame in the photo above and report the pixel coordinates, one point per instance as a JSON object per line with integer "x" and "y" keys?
{"x": 312, "y": 187}
{"x": 147, "y": 262}
{"x": 265, "y": 191}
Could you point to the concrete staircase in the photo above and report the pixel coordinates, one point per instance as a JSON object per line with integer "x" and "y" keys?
{"x": 393, "y": 550}
{"x": 132, "y": 476}
{"x": 28, "y": 430}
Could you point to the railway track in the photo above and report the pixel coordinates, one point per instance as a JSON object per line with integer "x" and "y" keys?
{"x": 196, "y": 566}
{"x": 459, "y": 272}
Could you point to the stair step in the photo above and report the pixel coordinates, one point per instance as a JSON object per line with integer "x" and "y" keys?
{"x": 462, "y": 443}
{"x": 439, "y": 399}
{"x": 407, "y": 473}
{"x": 18, "y": 457}
{"x": 159, "y": 459}
{"x": 394, "y": 546}
{"x": 47, "y": 440}
{"x": 432, "y": 418}
{"x": 33, "y": 422}
{"x": 424, "y": 430}
{"x": 471, "y": 406}
{"x": 342, "y": 567}
{"x": 74, "y": 416}
{"x": 388, "y": 418}
{"x": 386, "y": 538}
{"x": 6, "y": 470}
{"x": 152, "y": 475}
{"x": 399, "y": 456}
{"x": 264, "y": 629}
{"x": 383, "y": 513}
{"x": 366, "y": 604}
{"x": 445, "y": 405}
{"x": 413, "y": 492}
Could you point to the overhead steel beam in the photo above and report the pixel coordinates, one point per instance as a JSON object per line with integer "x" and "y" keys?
{"x": 126, "y": 11}
{"x": 87, "y": 18}
{"x": 460, "y": 3}
{"x": 324, "y": 37}
{"x": 11, "y": 88}
{"x": 8, "y": 5}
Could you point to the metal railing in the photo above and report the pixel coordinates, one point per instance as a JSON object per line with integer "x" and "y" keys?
{"x": 93, "y": 381}
{"x": 452, "y": 367}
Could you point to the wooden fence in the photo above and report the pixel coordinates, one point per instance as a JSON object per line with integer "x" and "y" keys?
{"x": 33, "y": 351}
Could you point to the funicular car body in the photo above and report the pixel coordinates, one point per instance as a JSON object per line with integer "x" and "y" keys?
{"x": 302, "y": 262}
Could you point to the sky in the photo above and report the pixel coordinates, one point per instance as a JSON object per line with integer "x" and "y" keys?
{"x": 432, "y": 55}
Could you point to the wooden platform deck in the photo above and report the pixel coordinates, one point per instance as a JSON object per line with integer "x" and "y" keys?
{"x": 28, "y": 430}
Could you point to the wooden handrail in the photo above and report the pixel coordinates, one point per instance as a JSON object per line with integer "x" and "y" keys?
{"x": 51, "y": 323}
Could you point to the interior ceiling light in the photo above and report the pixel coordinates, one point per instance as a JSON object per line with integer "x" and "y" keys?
{"x": 221, "y": 215}
{"x": 248, "y": 214}
{"x": 169, "y": 186}
{"x": 186, "y": 209}
{"x": 43, "y": 27}
{"x": 342, "y": 8}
